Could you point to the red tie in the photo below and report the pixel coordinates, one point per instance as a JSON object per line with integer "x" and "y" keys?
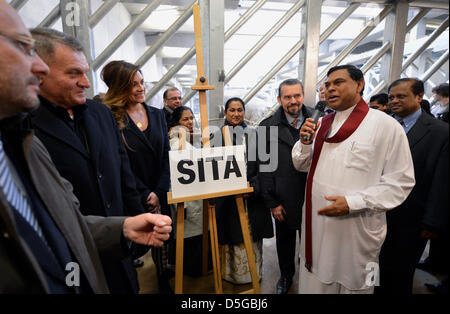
{"x": 294, "y": 123}
{"x": 347, "y": 129}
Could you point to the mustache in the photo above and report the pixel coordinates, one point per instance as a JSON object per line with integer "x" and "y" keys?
{"x": 34, "y": 80}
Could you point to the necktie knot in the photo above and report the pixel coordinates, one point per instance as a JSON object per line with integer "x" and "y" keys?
{"x": 294, "y": 123}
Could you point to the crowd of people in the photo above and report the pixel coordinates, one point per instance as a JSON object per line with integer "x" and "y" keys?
{"x": 84, "y": 182}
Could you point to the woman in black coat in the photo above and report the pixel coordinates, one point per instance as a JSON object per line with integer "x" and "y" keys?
{"x": 234, "y": 258}
{"x": 144, "y": 132}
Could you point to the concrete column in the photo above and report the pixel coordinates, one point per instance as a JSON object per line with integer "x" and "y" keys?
{"x": 309, "y": 55}
{"x": 394, "y": 32}
{"x": 75, "y": 21}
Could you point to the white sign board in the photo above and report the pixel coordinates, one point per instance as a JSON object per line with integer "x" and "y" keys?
{"x": 208, "y": 170}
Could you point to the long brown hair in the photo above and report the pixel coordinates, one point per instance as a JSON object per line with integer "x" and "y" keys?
{"x": 118, "y": 76}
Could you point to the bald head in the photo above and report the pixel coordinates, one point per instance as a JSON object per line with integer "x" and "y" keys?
{"x": 20, "y": 69}
{"x": 9, "y": 19}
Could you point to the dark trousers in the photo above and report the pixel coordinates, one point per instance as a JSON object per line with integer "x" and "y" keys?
{"x": 439, "y": 253}
{"x": 400, "y": 253}
{"x": 286, "y": 242}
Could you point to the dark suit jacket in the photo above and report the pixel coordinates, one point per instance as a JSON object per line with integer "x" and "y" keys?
{"x": 228, "y": 223}
{"x": 149, "y": 159}
{"x": 427, "y": 205}
{"x": 102, "y": 179}
{"x": 285, "y": 185}
{"x": 21, "y": 272}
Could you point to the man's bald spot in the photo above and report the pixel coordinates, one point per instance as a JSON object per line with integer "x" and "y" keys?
{"x": 10, "y": 20}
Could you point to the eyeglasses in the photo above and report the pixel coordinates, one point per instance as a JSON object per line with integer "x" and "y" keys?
{"x": 24, "y": 43}
{"x": 174, "y": 98}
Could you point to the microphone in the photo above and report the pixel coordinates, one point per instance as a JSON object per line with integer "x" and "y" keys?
{"x": 318, "y": 110}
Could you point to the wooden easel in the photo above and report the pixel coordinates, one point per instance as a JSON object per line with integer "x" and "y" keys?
{"x": 209, "y": 213}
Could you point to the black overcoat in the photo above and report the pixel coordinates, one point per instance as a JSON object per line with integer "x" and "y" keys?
{"x": 284, "y": 185}
{"x": 102, "y": 179}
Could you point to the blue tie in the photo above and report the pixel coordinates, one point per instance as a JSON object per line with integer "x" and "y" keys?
{"x": 16, "y": 199}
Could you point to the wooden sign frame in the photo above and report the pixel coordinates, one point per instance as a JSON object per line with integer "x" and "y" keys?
{"x": 209, "y": 212}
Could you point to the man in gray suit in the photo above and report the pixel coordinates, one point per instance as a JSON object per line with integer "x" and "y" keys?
{"x": 46, "y": 245}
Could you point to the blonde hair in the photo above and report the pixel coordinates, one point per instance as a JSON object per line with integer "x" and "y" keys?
{"x": 118, "y": 76}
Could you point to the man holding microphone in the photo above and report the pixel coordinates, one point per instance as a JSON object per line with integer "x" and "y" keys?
{"x": 359, "y": 166}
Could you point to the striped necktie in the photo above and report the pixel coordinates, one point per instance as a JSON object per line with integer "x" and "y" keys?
{"x": 15, "y": 198}
{"x": 294, "y": 123}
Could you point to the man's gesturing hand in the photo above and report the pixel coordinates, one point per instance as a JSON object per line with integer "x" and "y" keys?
{"x": 338, "y": 208}
{"x": 148, "y": 229}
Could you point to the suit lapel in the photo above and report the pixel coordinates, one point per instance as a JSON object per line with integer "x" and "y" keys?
{"x": 418, "y": 131}
{"x": 285, "y": 135}
{"x": 55, "y": 127}
{"x": 283, "y": 128}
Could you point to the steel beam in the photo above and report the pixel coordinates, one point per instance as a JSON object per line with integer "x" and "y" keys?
{"x": 373, "y": 23}
{"x": 416, "y": 19}
{"x": 166, "y": 36}
{"x": 264, "y": 40}
{"x": 101, "y": 12}
{"x": 244, "y": 18}
{"x": 381, "y": 85}
{"x": 172, "y": 71}
{"x": 18, "y": 4}
{"x": 438, "y": 31}
{"x": 74, "y": 14}
{"x": 338, "y": 21}
{"x": 216, "y": 57}
{"x": 190, "y": 53}
{"x": 436, "y": 66}
{"x": 395, "y": 33}
{"x": 288, "y": 56}
{"x": 371, "y": 62}
{"x": 123, "y": 36}
{"x": 430, "y": 4}
{"x": 234, "y": 28}
{"x": 51, "y": 18}
{"x": 309, "y": 54}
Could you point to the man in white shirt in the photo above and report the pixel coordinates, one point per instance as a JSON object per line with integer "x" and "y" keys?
{"x": 359, "y": 166}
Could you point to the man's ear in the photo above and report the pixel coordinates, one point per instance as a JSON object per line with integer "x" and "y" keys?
{"x": 279, "y": 100}
{"x": 361, "y": 84}
{"x": 420, "y": 96}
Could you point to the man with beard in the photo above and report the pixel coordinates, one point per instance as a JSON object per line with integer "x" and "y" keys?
{"x": 283, "y": 188}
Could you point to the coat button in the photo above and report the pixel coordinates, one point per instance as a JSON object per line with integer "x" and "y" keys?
{"x": 108, "y": 205}
{"x": 100, "y": 176}
{"x": 6, "y": 235}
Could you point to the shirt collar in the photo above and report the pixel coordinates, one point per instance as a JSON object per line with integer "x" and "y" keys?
{"x": 344, "y": 114}
{"x": 410, "y": 120}
{"x": 61, "y": 111}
